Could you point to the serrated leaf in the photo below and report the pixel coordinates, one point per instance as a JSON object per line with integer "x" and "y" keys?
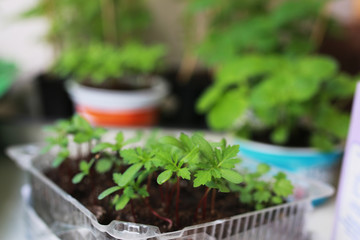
{"x": 129, "y": 174}
{"x": 184, "y": 173}
{"x": 78, "y": 178}
{"x": 223, "y": 188}
{"x": 186, "y": 141}
{"x": 143, "y": 192}
{"x": 164, "y": 176}
{"x": 191, "y": 157}
{"x": 103, "y": 165}
{"x": 101, "y": 146}
{"x": 215, "y": 173}
{"x": 108, "y": 191}
{"x": 121, "y": 202}
{"x": 201, "y": 178}
{"x": 231, "y": 151}
{"x": 262, "y": 196}
{"x": 129, "y": 192}
{"x": 130, "y": 155}
{"x": 117, "y": 177}
{"x": 204, "y": 146}
{"x": 230, "y": 163}
{"x": 283, "y": 188}
{"x": 231, "y": 176}
{"x": 172, "y": 141}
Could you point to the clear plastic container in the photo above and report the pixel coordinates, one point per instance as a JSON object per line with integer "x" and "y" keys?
{"x": 64, "y": 214}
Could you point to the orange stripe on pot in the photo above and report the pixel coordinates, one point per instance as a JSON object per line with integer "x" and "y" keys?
{"x": 120, "y": 118}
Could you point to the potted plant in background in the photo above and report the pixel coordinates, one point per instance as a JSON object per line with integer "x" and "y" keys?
{"x": 272, "y": 88}
{"x": 113, "y": 86}
{"x": 78, "y": 23}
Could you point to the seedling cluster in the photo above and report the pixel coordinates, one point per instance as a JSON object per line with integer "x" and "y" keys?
{"x": 166, "y": 165}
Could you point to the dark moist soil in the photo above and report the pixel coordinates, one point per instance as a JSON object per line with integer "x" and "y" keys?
{"x": 89, "y": 189}
{"x": 127, "y": 83}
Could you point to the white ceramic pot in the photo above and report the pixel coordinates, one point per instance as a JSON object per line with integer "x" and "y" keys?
{"x": 103, "y": 107}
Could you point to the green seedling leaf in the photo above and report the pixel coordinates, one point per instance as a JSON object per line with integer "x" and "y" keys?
{"x": 231, "y": 152}
{"x": 205, "y": 148}
{"x": 46, "y": 149}
{"x": 215, "y": 173}
{"x": 129, "y": 192}
{"x": 119, "y": 138}
{"x": 78, "y": 178}
{"x": 246, "y": 197}
{"x": 280, "y": 175}
{"x": 129, "y": 174}
{"x": 259, "y": 206}
{"x": 191, "y": 157}
{"x": 82, "y": 137}
{"x": 103, "y": 165}
{"x": 84, "y": 166}
{"x": 184, "y": 173}
{"x": 231, "y": 176}
{"x": 276, "y": 200}
{"x": 262, "y": 196}
{"x": 102, "y": 146}
{"x": 164, "y": 176}
{"x": 122, "y": 202}
{"x": 117, "y": 178}
{"x": 172, "y": 141}
{"x": 262, "y": 168}
{"x": 283, "y": 188}
{"x": 230, "y": 163}
{"x": 186, "y": 141}
{"x": 201, "y": 178}
{"x": 80, "y": 122}
{"x": 280, "y": 135}
{"x": 60, "y": 158}
{"x": 98, "y": 132}
{"x": 108, "y": 191}
{"x": 58, "y": 161}
{"x": 143, "y": 192}
{"x": 130, "y": 155}
{"x": 135, "y": 139}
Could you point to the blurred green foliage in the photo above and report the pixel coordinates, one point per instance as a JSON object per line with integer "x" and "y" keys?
{"x": 272, "y": 92}
{"x": 103, "y": 62}
{"x": 76, "y": 22}
{"x": 7, "y": 75}
{"x": 241, "y": 27}
{"x": 267, "y": 75}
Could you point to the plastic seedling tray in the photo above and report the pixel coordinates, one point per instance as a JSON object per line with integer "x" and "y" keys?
{"x": 62, "y": 213}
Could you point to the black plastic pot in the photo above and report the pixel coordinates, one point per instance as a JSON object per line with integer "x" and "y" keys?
{"x": 55, "y": 101}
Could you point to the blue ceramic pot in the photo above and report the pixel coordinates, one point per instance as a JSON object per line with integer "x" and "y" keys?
{"x": 310, "y": 162}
